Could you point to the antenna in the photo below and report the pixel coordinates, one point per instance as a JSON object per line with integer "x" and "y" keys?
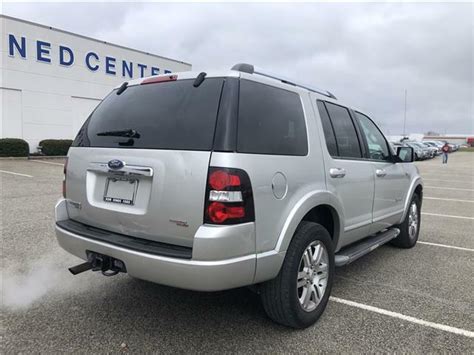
{"x": 405, "y": 116}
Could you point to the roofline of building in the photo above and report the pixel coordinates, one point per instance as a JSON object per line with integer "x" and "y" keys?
{"x": 91, "y": 39}
{"x": 463, "y": 136}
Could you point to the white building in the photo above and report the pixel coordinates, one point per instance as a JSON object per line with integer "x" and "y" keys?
{"x": 50, "y": 80}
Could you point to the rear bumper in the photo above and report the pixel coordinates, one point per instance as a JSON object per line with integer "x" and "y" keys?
{"x": 200, "y": 275}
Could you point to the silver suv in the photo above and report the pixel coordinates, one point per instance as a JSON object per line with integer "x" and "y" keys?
{"x": 227, "y": 179}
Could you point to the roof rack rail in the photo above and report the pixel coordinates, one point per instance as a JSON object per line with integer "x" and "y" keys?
{"x": 250, "y": 69}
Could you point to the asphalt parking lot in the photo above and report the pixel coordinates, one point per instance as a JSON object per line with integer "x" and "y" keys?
{"x": 418, "y": 300}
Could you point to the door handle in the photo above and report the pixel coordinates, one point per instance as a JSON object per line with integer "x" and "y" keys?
{"x": 380, "y": 172}
{"x": 337, "y": 172}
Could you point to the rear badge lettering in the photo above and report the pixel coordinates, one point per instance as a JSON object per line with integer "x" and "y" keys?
{"x": 74, "y": 204}
{"x": 179, "y": 223}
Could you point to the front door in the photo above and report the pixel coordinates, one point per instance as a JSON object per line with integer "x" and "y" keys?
{"x": 391, "y": 181}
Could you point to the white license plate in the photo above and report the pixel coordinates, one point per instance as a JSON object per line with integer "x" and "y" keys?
{"x": 120, "y": 190}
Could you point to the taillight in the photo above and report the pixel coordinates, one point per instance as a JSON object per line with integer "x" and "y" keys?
{"x": 220, "y": 179}
{"x": 64, "y": 180}
{"x": 229, "y": 198}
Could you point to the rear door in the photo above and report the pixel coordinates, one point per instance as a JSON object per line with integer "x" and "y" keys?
{"x": 139, "y": 164}
{"x": 391, "y": 180}
{"x": 349, "y": 176}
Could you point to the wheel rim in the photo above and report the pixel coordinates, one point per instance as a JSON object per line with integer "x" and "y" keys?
{"x": 413, "y": 220}
{"x": 312, "y": 276}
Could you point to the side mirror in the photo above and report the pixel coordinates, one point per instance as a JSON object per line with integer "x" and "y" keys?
{"x": 405, "y": 154}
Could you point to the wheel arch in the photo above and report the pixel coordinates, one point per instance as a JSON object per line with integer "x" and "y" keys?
{"x": 320, "y": 207}
{"x": 327, "y": 216}
{"x": 416, "y": 187}
{"x": 313, "y": 206}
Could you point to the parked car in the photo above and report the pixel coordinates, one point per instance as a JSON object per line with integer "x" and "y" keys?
{"x": 227, "y": 179}
{"x": 452, "y": 146}
{"x": 436, "y": 145}
{"x": 433, "y": 150}
{"x": 421, "y": 153}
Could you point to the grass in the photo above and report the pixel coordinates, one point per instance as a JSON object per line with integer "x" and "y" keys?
{"x": 468, "y": 149}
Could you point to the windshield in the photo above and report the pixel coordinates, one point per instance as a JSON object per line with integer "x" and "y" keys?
{"x": 170, "y": 115}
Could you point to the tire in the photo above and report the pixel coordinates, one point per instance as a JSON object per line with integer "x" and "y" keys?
{"x": 407, "y": 237}
{"x": 281, "y": 296}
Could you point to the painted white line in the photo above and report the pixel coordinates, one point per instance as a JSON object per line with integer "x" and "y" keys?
{"x": 403, "y": 317}
{"x": 445, "y": 215}
{"x": 444, "y": 246}
{"x": 446, "y": 199}
{"x": 46, "y": 162}
{"x": 445, "y": 180}
{"x": 446, "y": 175}
{"x": 447, "y": 188}
{"x": 13, "y": 173}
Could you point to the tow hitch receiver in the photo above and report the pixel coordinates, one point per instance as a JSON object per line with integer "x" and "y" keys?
{"x": 98, "y": 262}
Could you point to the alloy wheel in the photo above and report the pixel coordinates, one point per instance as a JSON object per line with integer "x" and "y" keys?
{"x": 312, "y": 276}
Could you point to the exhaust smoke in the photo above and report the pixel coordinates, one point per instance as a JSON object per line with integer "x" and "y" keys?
{"x": 23, "y": 286}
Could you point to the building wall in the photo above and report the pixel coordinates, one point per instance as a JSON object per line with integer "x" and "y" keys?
{"x": 50, "y": 80}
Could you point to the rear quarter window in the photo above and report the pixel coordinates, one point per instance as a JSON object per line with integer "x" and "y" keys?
{"x": 271, "y": 121}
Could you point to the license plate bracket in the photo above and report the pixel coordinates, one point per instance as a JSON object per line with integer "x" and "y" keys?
{"x": 121, "y": 190}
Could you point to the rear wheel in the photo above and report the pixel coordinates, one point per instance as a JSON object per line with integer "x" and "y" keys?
{"x": 410, "y": 227}
{"x": 299, "y": 294}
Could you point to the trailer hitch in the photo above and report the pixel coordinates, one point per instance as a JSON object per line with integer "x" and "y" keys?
{"x": 98, "y": 262}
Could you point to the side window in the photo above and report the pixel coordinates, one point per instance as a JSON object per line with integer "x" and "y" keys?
{"x": 328, "y": 130}
{"x": 346, "y": 137}
{"x": 376, "y": 142}
{"x": 271, "y": 121}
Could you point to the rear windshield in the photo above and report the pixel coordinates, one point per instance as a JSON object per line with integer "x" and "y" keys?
{"x": 171, "y": 115}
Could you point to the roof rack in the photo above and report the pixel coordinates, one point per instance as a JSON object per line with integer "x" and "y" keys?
{"x": 250, "y": 69}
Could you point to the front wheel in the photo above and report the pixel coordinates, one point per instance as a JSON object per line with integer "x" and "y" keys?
{"x": 410, "y": 227}
{"x": 299, "y": 294}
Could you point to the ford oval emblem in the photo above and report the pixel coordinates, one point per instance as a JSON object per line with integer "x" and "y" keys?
{"x": 116, "y": 164}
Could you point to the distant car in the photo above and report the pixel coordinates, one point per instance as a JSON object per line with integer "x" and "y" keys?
{"x": 435, "y": 145}
{"x": 433, "y": 150}
{"x": 452, "y": 146}
{"x": 421, "y": 153}
{"x": 427, "y": 152}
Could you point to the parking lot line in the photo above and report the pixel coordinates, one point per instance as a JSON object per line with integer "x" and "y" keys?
{"x": 448, "y": 188}
{"x": 46, "y": 162}
{"x": 446, "y": 199}
{"x": 445, "y": 215}
{"x": 444, "y": 246}
{"x": 13, "y": 173}
{"x": 445, "y": 180}
{"x": 410, "y": 319}
{"x": 446, "y": 175}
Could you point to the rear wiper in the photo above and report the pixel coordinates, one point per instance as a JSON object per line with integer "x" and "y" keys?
{"x": 130, "y": 133}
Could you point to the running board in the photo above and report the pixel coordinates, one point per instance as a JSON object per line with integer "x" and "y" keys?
{"x": 353, "y": 252}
